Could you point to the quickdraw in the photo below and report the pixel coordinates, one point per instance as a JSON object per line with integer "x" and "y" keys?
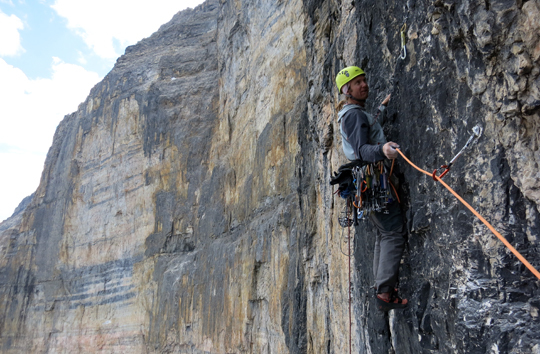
{"x": 477, "y": 131}
{"x": 403, "y": 52}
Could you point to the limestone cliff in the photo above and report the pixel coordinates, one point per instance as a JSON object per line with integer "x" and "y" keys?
{"x": 185, "y": 206}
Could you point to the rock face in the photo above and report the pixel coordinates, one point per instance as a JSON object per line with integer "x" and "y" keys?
{"x": 185, "y": 207}
{"x": 14, "y": 220}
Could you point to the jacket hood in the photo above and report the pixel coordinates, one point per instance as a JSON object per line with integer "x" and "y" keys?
{"x": 347, "y": 108}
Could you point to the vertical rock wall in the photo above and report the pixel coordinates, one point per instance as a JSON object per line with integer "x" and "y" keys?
{"x": 80, "y": 273}
{"x": 468, "y": 63}
{"x": 185, "y": 207}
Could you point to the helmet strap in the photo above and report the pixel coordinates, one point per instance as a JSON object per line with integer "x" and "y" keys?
{"x": 362, "y": 102}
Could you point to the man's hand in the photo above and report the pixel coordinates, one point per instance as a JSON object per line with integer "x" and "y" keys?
{"x": 386, "y": 100}
{"x": 389, "y": 150}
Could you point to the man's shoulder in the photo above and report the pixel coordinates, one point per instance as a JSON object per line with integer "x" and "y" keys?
{"x": 355, "y": 112}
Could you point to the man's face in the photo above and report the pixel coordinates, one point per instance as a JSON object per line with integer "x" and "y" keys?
{"x": 359, "y": 87}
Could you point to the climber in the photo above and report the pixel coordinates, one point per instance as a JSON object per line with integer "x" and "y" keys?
{"x": 363, "y": 139}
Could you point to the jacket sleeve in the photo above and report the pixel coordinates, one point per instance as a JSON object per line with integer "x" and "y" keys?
{"x": 356, "y": 127}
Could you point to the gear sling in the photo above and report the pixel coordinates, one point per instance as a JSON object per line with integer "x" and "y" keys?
{"x": 368, "y": 185}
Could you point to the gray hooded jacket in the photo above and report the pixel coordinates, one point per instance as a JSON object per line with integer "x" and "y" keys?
{"x": 362, "y": 136}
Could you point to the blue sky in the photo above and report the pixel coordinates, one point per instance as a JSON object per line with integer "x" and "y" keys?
{"x": 52, "y": 52}
{"x": 45, "y": 35}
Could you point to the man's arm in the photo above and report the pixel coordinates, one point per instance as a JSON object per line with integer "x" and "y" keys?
{"x": 356, "y": 127}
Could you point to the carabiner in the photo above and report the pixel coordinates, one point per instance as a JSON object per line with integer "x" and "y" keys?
{"x": 434, "y": 174}
{"x": 477, "y": 131}
{"x": 403, "y": 52}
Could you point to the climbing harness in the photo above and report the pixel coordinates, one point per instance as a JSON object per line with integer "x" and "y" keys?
{"x": 490, "y": 227}
{"x": 403, "y": 52}
{"x": 477, "y": 131}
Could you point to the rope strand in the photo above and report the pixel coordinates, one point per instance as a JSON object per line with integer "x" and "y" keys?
{"x": 491, "y": 228}
{"x": 350, "y": 297}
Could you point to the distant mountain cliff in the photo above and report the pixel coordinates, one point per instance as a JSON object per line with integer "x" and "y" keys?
{"x": 185, "y": 207}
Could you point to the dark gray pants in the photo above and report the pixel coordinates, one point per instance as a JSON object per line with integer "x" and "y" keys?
{"x": 389, "y": 246}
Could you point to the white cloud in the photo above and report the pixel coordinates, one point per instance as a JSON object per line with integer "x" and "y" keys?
{"x": 10, "y": 39}
{"x": 19, "y": 180}
{"x": 31, "y": 110}
{"x": 81, "y": 58}
{"x": 104, "y": 23}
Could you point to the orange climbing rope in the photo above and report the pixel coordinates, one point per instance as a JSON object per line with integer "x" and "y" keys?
{"x": 499, "y": 236}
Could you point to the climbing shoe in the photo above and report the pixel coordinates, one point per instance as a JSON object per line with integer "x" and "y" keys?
{"x": 390, "y": 301}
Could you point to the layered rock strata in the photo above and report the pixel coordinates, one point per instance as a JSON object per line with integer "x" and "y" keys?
{"x": 185, "y": 206}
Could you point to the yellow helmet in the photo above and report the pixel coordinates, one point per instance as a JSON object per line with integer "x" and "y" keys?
{"x": 347, "y": 75}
